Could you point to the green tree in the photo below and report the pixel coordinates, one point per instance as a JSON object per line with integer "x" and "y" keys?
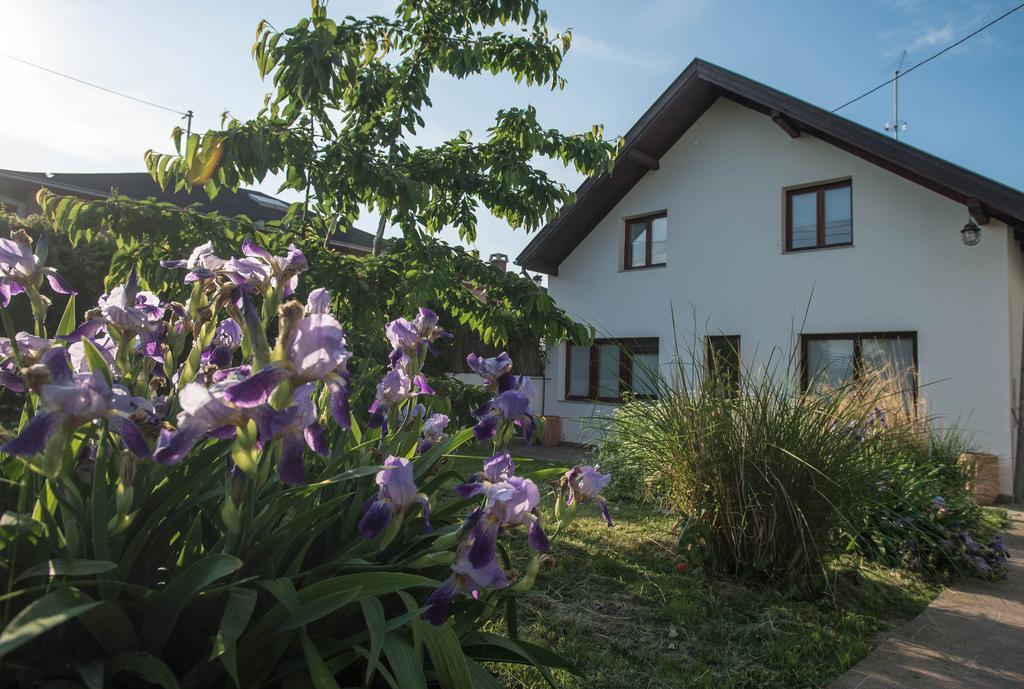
{"x": 348, "y": 97}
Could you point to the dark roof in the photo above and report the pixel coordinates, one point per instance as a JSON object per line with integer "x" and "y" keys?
{"x": 690, "y": 95}
{"x": 139, "y": 185}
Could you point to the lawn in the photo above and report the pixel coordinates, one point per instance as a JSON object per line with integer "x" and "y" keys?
{"x": 614, "y": 603}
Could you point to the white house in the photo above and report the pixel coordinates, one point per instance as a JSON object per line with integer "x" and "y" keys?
{"x": 731, "y": 202}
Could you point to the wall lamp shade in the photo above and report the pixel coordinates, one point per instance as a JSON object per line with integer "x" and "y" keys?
{"x": 971, "y": 234}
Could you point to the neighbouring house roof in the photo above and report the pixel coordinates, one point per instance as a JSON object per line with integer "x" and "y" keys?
{"x": 22, "y": 187}
{"x": 690, "y": 95}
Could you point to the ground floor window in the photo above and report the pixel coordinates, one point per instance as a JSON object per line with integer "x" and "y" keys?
{"x": 609, "y": 368}
{"x": 722, "y": 358}
{"x": 828, "y": 361}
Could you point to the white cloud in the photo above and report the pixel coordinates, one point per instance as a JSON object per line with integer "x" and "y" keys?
{"x": 587, "y": 47}
{"x": 933, "y": 37}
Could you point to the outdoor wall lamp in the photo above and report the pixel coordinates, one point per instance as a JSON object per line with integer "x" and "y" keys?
{"x": 971, "y": 234}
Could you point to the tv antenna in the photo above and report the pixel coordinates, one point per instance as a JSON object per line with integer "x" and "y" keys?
{"x": 896, "y": 125}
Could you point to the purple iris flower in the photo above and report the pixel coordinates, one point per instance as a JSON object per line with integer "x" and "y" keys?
{"x": 261, "y": 271}
{"x": 466, "y": 578}
{"x": 497, "y": 468}
{"x": 70, "y": 400}
{"x": 496, "y": 371}
{"x": 129, "y": 310}
{"x": 509, "y": 502}
{"x": 395, "y": 494}
{"x": 512, "y": 406}
{"x": 319, "y": 301}
{"x": 226, "y": 342}
{"x": 315, "y": 350}
{"x": 204, "y": 412}
{"x": 393, "y": 389}
{"x": 411, "y": 336}
{"x": 102, "y": 341}
{"x": 21, "y": 269}
{"x": 433, "y": 431}
{"x": 30, "y": 349}
{"x": 201, "y": 265}
{"x": 297, "y": 426}
{"x": 586, "y": 483}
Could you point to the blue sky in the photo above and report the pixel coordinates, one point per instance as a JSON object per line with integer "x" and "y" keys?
{"x": 967, "y": 106}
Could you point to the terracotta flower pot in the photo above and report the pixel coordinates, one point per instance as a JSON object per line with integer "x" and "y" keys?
{"x": 983, "y": 473}
{"x": 552, "y": 431}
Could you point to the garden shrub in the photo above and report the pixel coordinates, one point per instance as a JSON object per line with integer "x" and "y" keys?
{"x": 197, "y": 495}
{"x": 772, "y": 483}
{"x": 764, "y": 477}
{"x": 922, "y": 516}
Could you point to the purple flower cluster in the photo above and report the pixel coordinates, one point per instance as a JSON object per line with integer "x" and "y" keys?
{"x": 509, "y": 501}
{"x": 404, "y": 379}
{"x": 396, "y": 493}
{"x": 509, "y": 408}
{"x": 23, "y": 271}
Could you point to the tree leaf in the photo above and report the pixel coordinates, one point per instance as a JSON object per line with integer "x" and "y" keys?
{"x": 40, "y": 616}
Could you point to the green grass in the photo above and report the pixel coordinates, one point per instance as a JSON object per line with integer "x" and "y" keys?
{"x": 612, "y": 602}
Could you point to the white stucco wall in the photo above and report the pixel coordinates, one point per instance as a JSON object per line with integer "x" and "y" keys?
{"x": 722, "y": 186}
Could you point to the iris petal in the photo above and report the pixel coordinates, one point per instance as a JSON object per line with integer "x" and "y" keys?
{"x": 34, "y": 435}
{"x": 256, "y": 389}
{"x": 376, "y": 519}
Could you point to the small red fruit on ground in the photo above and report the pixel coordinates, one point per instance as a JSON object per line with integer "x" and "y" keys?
{"x": 680, "y": 566}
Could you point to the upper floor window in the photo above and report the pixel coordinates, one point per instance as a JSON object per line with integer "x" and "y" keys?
{"x": 646, "y": 241}
{"x": 609, "y": 368}
{"x": 819, "y": 216}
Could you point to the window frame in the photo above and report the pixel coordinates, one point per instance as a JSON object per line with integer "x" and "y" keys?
{"x": 858, "y": 362}
{"x": 819, "y": 190}
{"x": 627, "y": 255}
{"x": 628, "y": 346}
{"x": 735, "y": 343}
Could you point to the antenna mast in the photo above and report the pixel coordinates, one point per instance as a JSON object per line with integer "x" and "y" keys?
{"x": 897, "y": 125}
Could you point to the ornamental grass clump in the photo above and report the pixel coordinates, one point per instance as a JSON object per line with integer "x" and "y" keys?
{"x": 197, "y": 495}
{"x": 768, "y": 479}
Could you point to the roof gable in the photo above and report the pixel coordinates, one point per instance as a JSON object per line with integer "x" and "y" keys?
{"x": 690, "y": 95}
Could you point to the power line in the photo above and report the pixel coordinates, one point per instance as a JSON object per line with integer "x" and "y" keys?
{"x": 927, "y": 60}
{"x": 97, "y": 86}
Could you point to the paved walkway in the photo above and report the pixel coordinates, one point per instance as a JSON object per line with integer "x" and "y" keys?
{"x": 970, "y": 636}
{"x": 560, "y": 454}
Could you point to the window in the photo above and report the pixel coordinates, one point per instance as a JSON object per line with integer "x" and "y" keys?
{"x": 646, "y": 241}
{"x": 610, "y": 368}
{"x": 722, "y": 358}
{"x": 818, "y": 217}
{"x": 828, "y": 361}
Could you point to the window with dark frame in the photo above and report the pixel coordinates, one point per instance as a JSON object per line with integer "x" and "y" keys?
{"x": 722, "y": 358}
{"x": 646, "y": 241}
{"x": 819, "y": 216}
{"x": 610, "y": 367}
{"x": 829, "y": 360}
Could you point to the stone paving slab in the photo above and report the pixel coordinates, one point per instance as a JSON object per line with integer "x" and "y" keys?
{"x": 972, "y": 635}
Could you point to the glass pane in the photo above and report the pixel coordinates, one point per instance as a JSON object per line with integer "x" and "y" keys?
{"x": 579, "y": 373}
{"x": 829, "y": 362}
{"x": 659, "y": 240}
{"x": 644, "y": 373}
{"x": 892, "y": 357}
{"x": 608, "y": 370}
{"x": 804, "y": 232}
{"x": 637, "y": 244}
{"x": 838, "y": 216}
